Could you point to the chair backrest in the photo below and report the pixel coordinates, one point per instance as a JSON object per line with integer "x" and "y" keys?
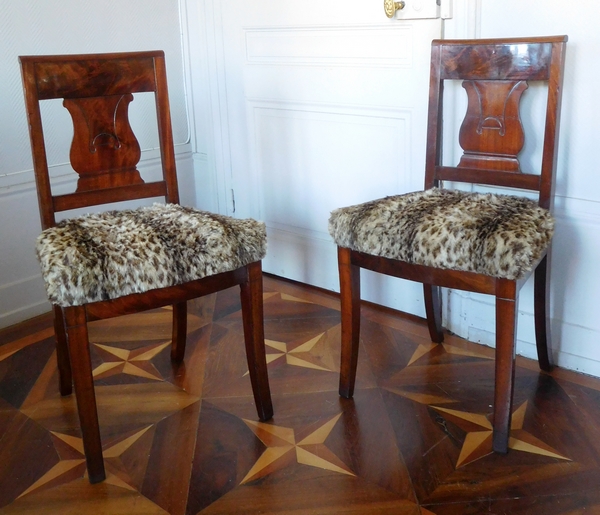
{"x": 97, "y": 89}
{"x": 495, "y": 72}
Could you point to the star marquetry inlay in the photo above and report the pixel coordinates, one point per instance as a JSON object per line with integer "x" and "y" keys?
{"x": 298, "y": 356}
{"x": 70, "y": 450}
{"x": 479, "y": 430}
{"x": 437, "y": 348}
{"x": 132, "y": 362}
{"x": 478, "y": 441}
{"x": 283, "y": 449}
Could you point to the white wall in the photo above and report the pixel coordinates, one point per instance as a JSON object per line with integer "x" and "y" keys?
{"x": 575, "y": 283}
{"x": 27, "y": 28}
{"x": 66, "y": 27}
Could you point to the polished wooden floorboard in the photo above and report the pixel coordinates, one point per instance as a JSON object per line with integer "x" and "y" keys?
{"x": 184, "y": 440}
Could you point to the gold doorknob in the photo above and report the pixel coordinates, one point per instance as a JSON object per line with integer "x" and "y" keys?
{"x": 391, "y": 7}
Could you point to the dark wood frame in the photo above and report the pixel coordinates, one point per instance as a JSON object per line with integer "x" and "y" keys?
{"x": 485, "y": 59}
{"x": 97, "y": 76}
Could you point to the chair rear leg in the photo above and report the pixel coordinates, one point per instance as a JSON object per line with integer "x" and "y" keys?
{"x": 254, "y": 334}
{"x": 79, "y": 348}
{"x": 433, "y": 310}
{"x": 179, "y": 331}
{"x": 542, "y": 329}
{"x": 506, "y": 323}
{"x": 350, "y": 314}
{"x": 65, "y": 378}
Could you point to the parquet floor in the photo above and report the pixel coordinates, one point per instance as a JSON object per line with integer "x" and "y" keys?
{"x": 186, "y": 439}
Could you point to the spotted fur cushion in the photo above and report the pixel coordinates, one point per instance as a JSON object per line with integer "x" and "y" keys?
{"x": 112, "y": 254}
{"x": 496, "y": 235}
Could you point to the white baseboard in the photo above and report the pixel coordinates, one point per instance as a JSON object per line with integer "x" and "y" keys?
{"x": 573, "y": 347}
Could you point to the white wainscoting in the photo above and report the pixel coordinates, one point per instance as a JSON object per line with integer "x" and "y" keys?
{"x": 302, "y": 155}
{"x": 368, "y": 46}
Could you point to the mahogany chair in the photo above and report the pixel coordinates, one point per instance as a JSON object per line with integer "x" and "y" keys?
{"x": 113, "y": 263}
{"x": 484, "y": 243}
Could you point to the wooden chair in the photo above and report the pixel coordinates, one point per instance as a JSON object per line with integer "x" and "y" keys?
{"x": 113, "y": 263}
{"x": 484, "y": 243}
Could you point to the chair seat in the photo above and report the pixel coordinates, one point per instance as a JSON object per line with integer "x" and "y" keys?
{"x": 496, "y": 235}
{"x": 108, "y": 255}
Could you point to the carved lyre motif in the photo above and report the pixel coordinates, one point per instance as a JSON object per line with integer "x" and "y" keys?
{"x": 491, "y": 134}
{"x": 104, "y": 151}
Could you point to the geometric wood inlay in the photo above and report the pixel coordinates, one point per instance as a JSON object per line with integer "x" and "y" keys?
{"x": 184, "y": 439}
{"x": 282, "y": 440}
{"x": 478, "y": 440}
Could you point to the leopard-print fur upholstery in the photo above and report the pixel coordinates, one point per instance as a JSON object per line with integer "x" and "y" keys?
{"x": 116, "y": 253}
{"x": 496, "y": 235}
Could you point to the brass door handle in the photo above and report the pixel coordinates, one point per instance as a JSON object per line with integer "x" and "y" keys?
{"x": 391, "y": 7}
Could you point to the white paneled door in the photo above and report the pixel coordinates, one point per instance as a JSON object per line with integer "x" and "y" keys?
{"x": 320, "y": 105}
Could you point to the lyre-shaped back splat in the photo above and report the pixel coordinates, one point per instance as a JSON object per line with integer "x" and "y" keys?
{"x": 104, "y": 151}
{"x": 491, "y": 134}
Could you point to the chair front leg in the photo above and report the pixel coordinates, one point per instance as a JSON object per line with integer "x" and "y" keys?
{"x": 506, "y": 324}
{"x": 65, "y": 378}
{"x": 350, "y": 314}
{"x": 79, "y": 348}
{"x": 254, "y": 335}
